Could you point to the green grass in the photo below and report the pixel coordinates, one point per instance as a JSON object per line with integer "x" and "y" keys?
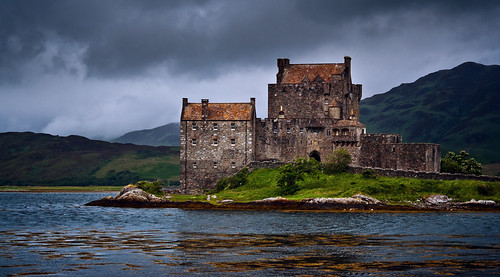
{"x": 162, "y": 167}
{"x": 30, "y": 159}
{"x": 262, "y": 184}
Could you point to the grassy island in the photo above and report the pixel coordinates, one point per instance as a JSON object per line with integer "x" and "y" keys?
{"x": 263, "y": 183}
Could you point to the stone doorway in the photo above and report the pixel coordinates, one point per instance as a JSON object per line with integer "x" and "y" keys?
{"x": 315, "y": 155}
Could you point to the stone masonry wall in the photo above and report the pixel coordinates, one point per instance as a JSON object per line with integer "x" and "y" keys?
{"x": 288, "y": 139}
{"x": 423, "y": 175}
{"x": 388, "y": 151}
{"x": 209, "y": 153}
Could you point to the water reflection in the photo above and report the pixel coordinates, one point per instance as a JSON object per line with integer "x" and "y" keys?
{"x": 55, "y": 234}
{"x": 91, "y": 251}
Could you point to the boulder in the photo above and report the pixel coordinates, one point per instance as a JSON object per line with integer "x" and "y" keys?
{"x": 482, "y": 202}
{"x": 437, "y": 199}
{"x": 272, "y": 199}
{"x": 367, "y": 199}
{"x": 133, "y": 193}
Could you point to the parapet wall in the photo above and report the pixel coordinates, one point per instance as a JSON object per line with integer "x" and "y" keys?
{"x": 265, "y": 164}
{"x": 424, "y": 175}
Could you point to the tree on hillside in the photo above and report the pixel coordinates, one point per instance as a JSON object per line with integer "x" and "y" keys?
{"x": 461, "y": 163}
{"x": 337, "y": 161}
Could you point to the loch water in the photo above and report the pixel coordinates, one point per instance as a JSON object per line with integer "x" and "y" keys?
{"x": 54, "y": 234}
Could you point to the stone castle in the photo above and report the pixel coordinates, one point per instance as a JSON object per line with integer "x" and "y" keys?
{"x": 313, "y": 109}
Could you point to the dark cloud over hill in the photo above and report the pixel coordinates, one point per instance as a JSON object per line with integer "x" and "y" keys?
{"x": 68, "y": 66}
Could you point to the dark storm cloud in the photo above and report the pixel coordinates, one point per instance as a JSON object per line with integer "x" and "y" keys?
{"x": 126, "y": 38}
{"x": 102, "y": 68}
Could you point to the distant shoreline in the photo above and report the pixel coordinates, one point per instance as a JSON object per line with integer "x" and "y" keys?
{"x": 60, "y": 189}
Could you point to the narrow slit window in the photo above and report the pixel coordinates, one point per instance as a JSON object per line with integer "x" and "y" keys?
{"x": 215, "y": 126}
{"x": 194, "y": 127}
{"x": 233, "y": 126}
{"x": 215, "y": 142}
{"x": 233, "y": 165}
{"x": 195, "y": 165}
{"x": 193, "y": 141}
{"x": 233, "y": 142}
{"x": 215, "y": 164}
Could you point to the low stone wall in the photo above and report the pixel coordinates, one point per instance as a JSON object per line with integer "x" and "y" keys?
{"x": 424, "y": 175}
{"x": 265, "y": 164}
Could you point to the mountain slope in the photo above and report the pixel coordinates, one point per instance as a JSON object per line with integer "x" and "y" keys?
{"x": 457, "y": 108}
{"x": 41, "y": 159}
{"x": 166, "y": 135}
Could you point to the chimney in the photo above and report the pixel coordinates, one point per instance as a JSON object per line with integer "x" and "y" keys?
{"x": 204, "y": 109}
{"x": 347, "y": 62}
{"x": 282, "y": 65}
{"x": 184, "y": 102}
{"x": 252, "y": 101}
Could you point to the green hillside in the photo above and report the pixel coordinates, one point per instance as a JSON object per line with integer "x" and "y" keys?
{"x": 41, "y": 159}
{"x": 457, "y": 108}
{"x": 166, "y": 135}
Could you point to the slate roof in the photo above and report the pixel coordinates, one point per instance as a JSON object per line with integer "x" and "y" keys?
{"x": 219, "y": 111}
{"x": 295, "y": 73}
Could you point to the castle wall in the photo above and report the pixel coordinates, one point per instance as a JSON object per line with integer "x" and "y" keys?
{"x": 209, "y": 153}
{"x": 288, "y": 139}
{"x": 388, "y": 151}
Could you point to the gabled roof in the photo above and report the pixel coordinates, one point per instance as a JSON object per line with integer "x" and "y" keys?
{"x": 296, "y": 73}
{"x": 219, "y": 111}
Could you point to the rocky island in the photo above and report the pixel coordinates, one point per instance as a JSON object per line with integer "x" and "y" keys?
{"x": 133, "y": 197}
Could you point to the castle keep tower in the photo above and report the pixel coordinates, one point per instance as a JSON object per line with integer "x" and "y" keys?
{"x": 216, "y": 141}
{"x": 313, "y": 109}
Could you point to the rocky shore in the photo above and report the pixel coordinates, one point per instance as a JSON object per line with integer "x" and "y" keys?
{"x": 133, "y": 197}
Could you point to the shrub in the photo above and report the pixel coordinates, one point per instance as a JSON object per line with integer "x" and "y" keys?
{"x": 369, "y": 174}
{"x": 155, "y": 187}
{"x": 337, "y": 161}
{"x": 290, "y": 174}
{"x": 461, "y": 163}
{"x": 237, "y": 180}
{"x": 485, "y": 189}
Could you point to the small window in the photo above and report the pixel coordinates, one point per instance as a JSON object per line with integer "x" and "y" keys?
{"x": 326, "y": 101}
{"x": 215, "y": 142}
{"x": 194, "y": 126}
{"x": 193, "y": 141}
{"x": 215, "y": 126}
{"x": 288, "y": 130}
{"x": 328, "y": 132}
{"x": 275, "y": 131}
{"x": 233, "y": 126}
{"x": 336, "y": 132}
{"x": 215, "y": 164}
{"x": 233, "y": 165}
{"x": 195, "y": 165}
{"x": 233, "y": 142}
{"x": 301, "y": 130}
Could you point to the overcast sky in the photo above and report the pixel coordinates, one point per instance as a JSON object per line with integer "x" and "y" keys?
{"x": 104, "y": 68}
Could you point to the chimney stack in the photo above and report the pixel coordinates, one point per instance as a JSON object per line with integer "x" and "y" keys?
{"x": 204, "y": 109}
{"x": 282, "y": 65}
